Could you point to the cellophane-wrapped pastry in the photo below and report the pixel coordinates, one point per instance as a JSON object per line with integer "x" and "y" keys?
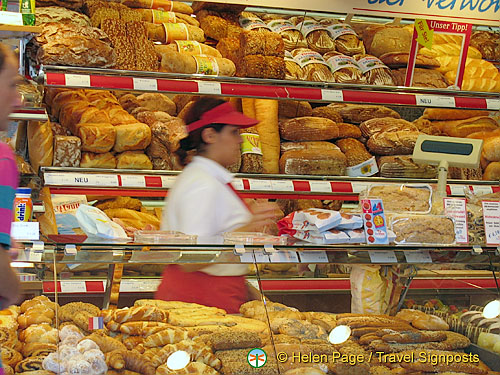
{"x": 313, "y": 66}
{"x": 375, "y": 71}
{"x": 292, "y": 37}
{"x": 317, "y": 36}
{"x": 344, "y": 68}
{"x": 346, "y": 39}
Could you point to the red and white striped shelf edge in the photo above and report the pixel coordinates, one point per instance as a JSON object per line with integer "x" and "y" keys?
{"x": 114, "y": 82}
{"x": 29, "y": 114}
{"x": 150, "y": 285}
{"x": 155, "y": 185}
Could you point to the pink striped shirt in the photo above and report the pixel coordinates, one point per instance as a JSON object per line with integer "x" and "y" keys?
{"x": 9, "y": 180}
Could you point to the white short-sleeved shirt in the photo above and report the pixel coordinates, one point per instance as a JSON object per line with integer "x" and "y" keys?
{"x": 200, "y": 203}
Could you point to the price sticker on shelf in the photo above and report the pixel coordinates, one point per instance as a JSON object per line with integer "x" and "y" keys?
{"x": 73, "y": 287}
{"x": 77, "y": 80}
{"x": 25, "y": 230}
{"x": 247, "y": 257}
{"x": 129, "y": 286}
{"x": 133, "y": 181}
{"x": 261, "y": 257}
{"x": 457, "y": 190}
{"x": 358, "y": 188}
{"x": 418, "y": 256}
{"x": 493, "y": 104}
{"x": 332, "y": 95}
{"x": 320, "y": 186}
{"x": 38, "y": 246}
{"x": 34, "y": 256}
{"x": 238, "y": 184}
{"x": 284, "y": 256}
{"x": 435, "y": 101}
{"x": 284, "y": 185}
{"x": 482, "y": 190}
{"x": 70, "y": 249}
{"x": 167, "y": 181}
{"x": 145, "y": 84}
{"x": 385, "y": 256}
{"x": 319, "y": 256}
{"x": 263, "y": 185}
{"x": 209, "y": 88}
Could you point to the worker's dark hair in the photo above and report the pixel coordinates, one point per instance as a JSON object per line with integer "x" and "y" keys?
{"x": 194, "y": 141}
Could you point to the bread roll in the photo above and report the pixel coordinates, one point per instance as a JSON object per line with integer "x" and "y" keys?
{"x": 132, "y": 137}
{"x": 354, "y": 151}
{"x": 157, "y": 102}
{"x": 491, "y": 149}
{"x": 313, "y": 162}
{"x": 190, "y": 47}
{"x": 348, "y": 130}
{"x": 294, "y": 108}
{"x": 176, "y": 62}
{"x": 133, "y": 160}
{"x": 308, "y": 129}
{"x": 91, "y": 160}
{"x": 313, "y": 145}
{"x": 492, "y": 172}
{"x": 266, "y": 111}
{"x": 462, "y": 128}
{"x": 98, "y": 138}
{"x": 40, "y": 144}
{"x": 169, "y": 32}
{"x": 451, "y": 114}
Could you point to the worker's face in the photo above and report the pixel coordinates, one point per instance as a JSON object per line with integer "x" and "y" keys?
{"x": 8, "y": 92}
{"x": 225, "y": 146}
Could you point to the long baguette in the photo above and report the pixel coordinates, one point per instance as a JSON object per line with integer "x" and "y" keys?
{"x": 176, "y": 62}
{"x": 266, "y": 111}
{"x": 189, "y": 47}
{"x": 168, "y": 32}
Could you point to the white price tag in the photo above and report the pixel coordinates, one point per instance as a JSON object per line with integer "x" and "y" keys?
{"x": 254, "y": 283}
{"x": 151, "y": 285}
{"x": 386, "y": 256}
{"x": 209, "y": 88}
{"x": 127, "y": 286}
{"x": 167, "y": 181}
{"x": 38, "y": 246}
{"x": 284, "y": 256}
{"x": 358, "y": 187}
{"x": 313, "y": 256}
{"x": 70, "y": 249}
{"x": 11, "y": 18}
{"x": 73, "y": 287}
{"x": 435, "y": 101}
{"x": 133, "y": 180}
{"x": 456, "y": 208}
{"x": 269, "y": 249}
{"x": 238, "y": 184}
{"x": 145, "y": 84}
{"x": 260, "y": 257}
{"x": 418, "y": 256}
{"x": 247, "y": 257}
{"x": 320, "y": 186}
{"x": 493, "y": 104}
{"x": 77, "y": 80}
{"x": 482, "y": 190}
{"x": 239, "y": 249}
{"x": 491, "y": 216}
{"x": 264, "y": 185}
{"x": 107, "y": 180}
{"x": 457, "y": 190}
{"x": 332, "y": 95}
{"x": 34, "y": 256}
{"x": 284, "y": 185}
{"x": 25, "y": 230}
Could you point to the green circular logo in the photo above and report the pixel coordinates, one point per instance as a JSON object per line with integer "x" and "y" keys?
{"x": 257, "y": 358}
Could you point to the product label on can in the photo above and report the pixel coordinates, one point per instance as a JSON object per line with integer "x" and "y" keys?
{"x": 307, "y": 57}
{"x": 175, "y": 31}
{"x": 279, "y": 26}
{"x": 167, "y": 6}
{"x": 369, "y": 63}
{"x": 206, "y": 65}
{"x": 160, "y": 16}
{"x": 340, "y": 62}
{"x": 250, "y": 23}
{"x": 189, "y": 46}
{"x": 251, "y": 144}
{"x": 340, "y": 29}
{"x": 308, "y": 26}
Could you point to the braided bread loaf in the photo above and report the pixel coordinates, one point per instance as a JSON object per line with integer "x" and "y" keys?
{"x": 165, "y": 337}
{"x": 140, "y": 313}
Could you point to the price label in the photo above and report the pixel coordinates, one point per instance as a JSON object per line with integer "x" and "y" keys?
{"x": 456, "y": 208}
{"x": 320, "y": 186}
{"x": 25, "y": 230}
{"x": 34, "y": 256}
{"x": 491, "y": 216}
{"x": 167, "y": 181}
{"x": 209, "y": 88}
{"x": 285, "y": 185}
{"x": 457, "y": 190}
{"x": 73, "y": 287}
{"x": 70, "y": 249}
{"x": 435, "y": 101}
{"x": 77, "y": 80}
{"x": 151, "y": 285}
{"x": 107, "y": 180}
{"x": 313, "y": 256}
{"x": 388, "y": 256}
{"x": 145, "y": 84}
{"x": 358, "y": 188}
{"x": 482, "y": 190}
{"x": 260, "y": 257}
{"x": 332, "y": 95}
{"x": 418, "y": 256}
{"x": 269, "y": 249}
{"x": 133, "y": 181}
{"x": 239, "y": 249}
{"x": 238, "y": 184}
{"x": 254, "y": 283}
{"x": 247, "y": 257}
{"x": 493, "y": 104}
{"x": 38, "y": 246}
{"x": 284, "y": 256}
{"x": 264, "y": 185}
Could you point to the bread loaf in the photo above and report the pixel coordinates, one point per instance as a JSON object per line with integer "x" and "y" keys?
{"x": 348, "y": 130}
{"x": 421, "y": 78}
{"x": 98, "y": 138}
{"x": 485, "y": 134}
{"x": 313, "y": 162}
{"x": 67, "y": 151}
{"x": 266, "y": 111}
{"x": 374, "y": 71}
{"x": 132, "y": 137}
{"x": 176, "y": 62}
{"x": 449, "y": 49}
{"x": 190, "y": 47}
{"x": 313, "y": 145}
{"x": 159, "y": 17}
{"x": 478, "y": 84}
{"x": 326, "y": 112}
{"x": 451, "y": 114}
{"x": 91, "y": 160}
{"x": 400, "y": 60}
{"x": 308, "y": 129}
{"x": 62, "y": 98}
{"x": 385, "y": 124}
{"x": 170, "y": 32}
{"x": 491, "y": 149}
{"x": 118, "y": 116}
{"x": 40, "y": 144}
{"x": 492, "y": 172}
{"x": 294, "y": 108}
{"x": 357, "y": 113}
{"x": 219, "y": 25}
{"x": 292, "y": 37}
{"x": 258, "y": 66}
{"x": 258, "y": 43}
{"x": 157, "y": 102}
{"x": 354, "y": 151}
{"x": 462, "y": 128}
{"x": 488, "y": 43}
{"x": 393, "y": 143}
{"x": 73, "y": 114}
{"x": 403, "y": 166}
{"x": 381, "y": 39}
{"x": 133, "y": 160}
{"x": 309, "y": 66}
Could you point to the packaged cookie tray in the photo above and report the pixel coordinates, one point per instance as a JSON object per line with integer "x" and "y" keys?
{"x": 163, "y": 237}
{"x": 253, "y": 238}
{"x": 422, "y": 229}
{"x": 405, "y": 198}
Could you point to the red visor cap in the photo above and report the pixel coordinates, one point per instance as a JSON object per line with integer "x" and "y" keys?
{"x": 222, "y": 114}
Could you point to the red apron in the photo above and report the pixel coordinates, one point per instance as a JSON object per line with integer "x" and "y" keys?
{"x": 224, "y": 292}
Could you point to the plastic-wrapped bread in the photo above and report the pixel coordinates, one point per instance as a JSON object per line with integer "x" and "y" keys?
{"x": 159, "y": 17}
{"x": 191, "y": 47}
{"x": 292, "y": 37}
{"x": 249, "y": 21}
{"x": 40, "y": 144}
{"x": 313, "y": 66}
{"x": 345, "y": 69}
{"x": 403, "y": 166}
{"x": 176, "y": 62}
{"x": 266, "y": 111}
{"x": 346, "y": 40}
{"x": 168, "y": 32}
{"x": 423, "y": 229}
{"x": 317, "y": 37}
{"x": 308, "y": 129}
{"x": 374, "y": 71}
{"x": 166, "y": 5}
{"x": 313, "y": 162}
{"x": 308, "y": 145}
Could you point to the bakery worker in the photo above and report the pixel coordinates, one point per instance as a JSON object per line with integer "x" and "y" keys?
{"x": 202, "y": 202}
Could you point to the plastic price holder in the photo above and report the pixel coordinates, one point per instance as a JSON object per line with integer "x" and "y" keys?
{"x": 269, "y": 249}
{"x": 319, "y": 256}
{"x": 133, "y": 181}
{"x": 73, "y": 287}
{"x": 477, "y": 250}
{"x": 209, "y": 88}
{"x": 285, "y": 185}
{"x": 38, "y": 246}
{"x": 167, "y": 181}
{"x": 77, "y": 80}
{"x": 332, "y": 95}
{"x": 145, "y": 84}
{"x": 70, "y": 249}
{"x": 284, "y": 256}
{"x": 418, "y": 256}
{"x": 239, "y": 250}
{"x": 260, "y": 257}
{"x": 388, "y": 256}
{"x": 238, "y": 184}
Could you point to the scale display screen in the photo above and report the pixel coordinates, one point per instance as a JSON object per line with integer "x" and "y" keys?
{"x": 450, "y": 148}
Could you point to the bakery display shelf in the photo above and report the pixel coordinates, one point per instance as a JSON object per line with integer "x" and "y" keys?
{"x": 17, "y": 32}
{"x": 57, "y": 76}
{"x": 29, "y": 114}
{"x": 155, "y": 183}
